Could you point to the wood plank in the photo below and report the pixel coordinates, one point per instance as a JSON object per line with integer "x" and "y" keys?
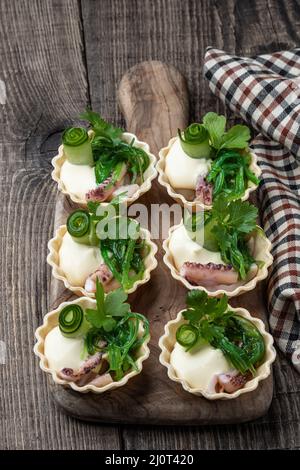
{"x": 117, "y": 35}
{"x": 178, "y": 32}
{"x": 174, "y": 32}
{"x": 44, "y": 73}
{"x": 154, "y": 100}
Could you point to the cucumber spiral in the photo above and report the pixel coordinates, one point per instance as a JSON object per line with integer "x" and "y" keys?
{"x": 195, "y": 141}
{"x": 78, "y": 223}
{"x": 77, "y": 146}
{"x": 74, "y": 136}
{"x": 72, "y": 321}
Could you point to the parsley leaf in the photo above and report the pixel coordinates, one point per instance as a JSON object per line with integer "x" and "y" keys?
{"x": 101, "y": 127}
{"x": 232, "y": 221}
{"x": 195, "y": 297}
{"x": 215, "y": 125}
{"x": 221, "y": 307}
{"x": 236, "y": 137}
{"x": 242, "y": 216}
{"x": 224, "y": 242}
{"x": 114, "y": 303}
{"x": 107, "y": 307}
{"x": 239, "y": 216}
{"x": 200, "y": 305}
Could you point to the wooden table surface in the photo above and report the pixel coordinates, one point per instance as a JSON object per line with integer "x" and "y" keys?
{"x": 56, "y": 57}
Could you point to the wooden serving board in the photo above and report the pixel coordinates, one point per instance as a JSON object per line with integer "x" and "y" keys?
{"x": 154, "y": 100}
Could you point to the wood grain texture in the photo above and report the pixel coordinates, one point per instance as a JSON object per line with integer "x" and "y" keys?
{"x": 55, "y": 57}
{"x": 154, "y": 101}
{"x": 43, "y": 69}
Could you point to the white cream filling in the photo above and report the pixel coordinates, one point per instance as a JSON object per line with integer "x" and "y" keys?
{"x": 78, "y": 179}
{"x": 63, "y": 352}
{"x": 78, "y": 261}
{"x": 184, "y": 249}
{"x": 182, "y": 170}
{"x": 198, "y": 368}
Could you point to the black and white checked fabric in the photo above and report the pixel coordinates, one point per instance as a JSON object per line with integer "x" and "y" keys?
{"x": 265, "y": 92}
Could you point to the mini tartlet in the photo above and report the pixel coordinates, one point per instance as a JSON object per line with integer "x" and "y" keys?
{"x": 167, "y": 343}
{"x": 120, "y": 178}
{"x": 50, "y": 325}
{"x": 195, "y": 179}
{"x": 179, "y": 197}
{"x": 260, "y": 249}
{"x": 53, "y": 259}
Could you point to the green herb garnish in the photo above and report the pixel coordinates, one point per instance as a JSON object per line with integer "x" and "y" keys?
{"x": 124, "y": 254}
{"x": 211, "y": 320}
{"x": 101, "y": 127}
{"x": 227, "y": 227}
{"x": 113, "y": 323}
{"x": 109, "y": 150}
{"x": 230, "y": 169}
{"x": 236, "y": 137}
{"x": 232, "y": 222}
{"x": 122, "y": 250}
{"x": 230, "y": 174}
{"x": 107, "y": 307}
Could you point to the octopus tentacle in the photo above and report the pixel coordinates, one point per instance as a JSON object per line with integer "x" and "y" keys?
{"x": 105, "y": 189}
{"x": 74, "y": 376}
{"x": 231, "y": 382}
{"x": 203, "y": 191}
{"x": 210, "y": 273}
{"x": 102, "y": 192}
{"x": 228, "y": 382}
{"x": 103, "y": 273}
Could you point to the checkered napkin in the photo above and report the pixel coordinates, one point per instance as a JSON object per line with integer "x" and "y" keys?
{"x": 265, "y": 92}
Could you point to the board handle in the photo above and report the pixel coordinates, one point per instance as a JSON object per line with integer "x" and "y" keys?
{"x": 153, "y": 98}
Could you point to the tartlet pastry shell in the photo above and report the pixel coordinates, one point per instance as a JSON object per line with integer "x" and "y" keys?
{"x": 149, "y": 174}
{"x": 262, "y": 252}
{"x": 192, "y": 205}
{"x": 167, "y": 342}
{"x": 50, "y": 322}
{"x": 53, "y": 260}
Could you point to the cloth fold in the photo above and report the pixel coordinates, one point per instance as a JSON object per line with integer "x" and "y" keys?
{"x": 265, "y": 92}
